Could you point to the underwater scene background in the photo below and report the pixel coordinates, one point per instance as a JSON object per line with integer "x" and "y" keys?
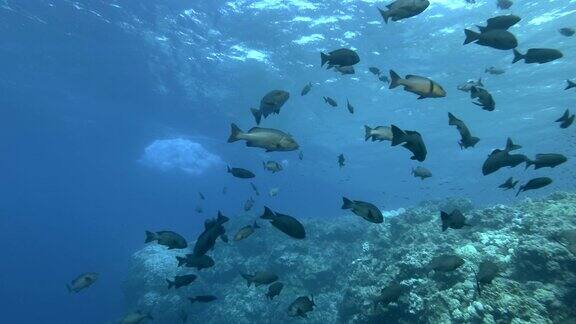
{"x": 116, "y": 118}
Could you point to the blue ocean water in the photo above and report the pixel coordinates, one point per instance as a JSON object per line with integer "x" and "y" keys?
{"x": 116, "y": 114}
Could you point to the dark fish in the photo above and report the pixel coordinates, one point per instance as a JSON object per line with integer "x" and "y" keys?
{"x": 374, "y": 70}
{"x": 421, "y": 172}
{"x": 548, "y": 160}
{"x": 378, "y": 133}
{"x": 267, "y": 138}
{"x": 181, "y": 281}
{"x": 446, "y": 263}
{"x": 384, "y": 78}
{"x": 500, "y": 22}
{"x": 199, "y": 209}
{"x": 389, "y": 294}
{"x": 566, "y": 120}
{"x": 245, "y": 231}
{"x": 467, "y": 86}
{"x": 330, "y": 101}
{"x": 504, "y": 4}
{"x": 270, "y": 104}
{"x": 201, "y": 196}
{"x": 497, "y": 38}
{"x": 421, "y": 86}
{"x": 135, "y": 318}
{"x": 341, "y": 160}
{"x": 349, "y": 107}
{"x": 454, "y": 220}
{"x": 255, "y": 189}
{"x": 260, "y": 278}
{"x": 285, "y": 223}
{"x": 494, "y": 70}
{"x": 241, "y": 173}
{"x": 301, "y": 306}
{"x": 567, "y": 31}
{"x": 301, "y": 155}
{"x": 306, "y": 89}
{"x": 248, "y": 204}
{"x": 363, "y": 209}
{"x": 570, "y": 85}
{"x": 345, "y": 70}
{"x": 467, "y": 140}
{"x": 167, "y": 238}
{"x": 535, "y": 183}
{"x": 487, "y": 271}
{"x": 82, "y": 282}
{"x": 198, "y": 262}
{"x": 202, "y": 299}
{"x": 340, "y": 57}
{"x": 402, "y": 9}
{"x": 412, "y": 141}
{"x": 274, "y": 290}
{"x": 509, "y": 184}
{"x": 484, "y": 97}
{"x": 272, "y": 166}
{"x": 212, "y": 230}
{"x": 537, "y": 55}
{"x": 502, "y": 158}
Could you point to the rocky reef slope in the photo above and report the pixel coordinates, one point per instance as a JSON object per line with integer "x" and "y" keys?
{"x": 345, "y": 262}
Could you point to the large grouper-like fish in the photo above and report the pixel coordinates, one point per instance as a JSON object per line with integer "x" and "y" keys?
{"x": 267, "y": 138}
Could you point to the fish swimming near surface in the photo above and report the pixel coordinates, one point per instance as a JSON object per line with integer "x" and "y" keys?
{"x": 466, "y": 138}
{"x": 202, "y": 299}
{"x": 306, "y": 89}
{"x": 567, "y": 31}
{"x": 345, "y": 70}
{"x": 500, "y": 22}
{"x": 421, "y": 86}
{"x": 502, "y": 158}
{"x": 198, "y": 262}
{"x": 421, "y": 172}
{"x": 537, "y": 55}
{"x": 241, "y": 173}
{"x": 535, "y": 183}
{"x": 390, "y": 294}
{"x": 285, "y": 223}
{"x": 301, "y": 306}
{"x": 570, "y": 84}
{"x": 509, "y": 184}
{"x": 546, "y": 160}
{"x": 410, "y": 140}
{"x": 341, "y": 160}
{"x": 272, "y": 166}
{"x": 245, "y": 232}
{"x": 266, "y": 138}
{"x": 248, "y": 204}
{"x": 274, "y": 290}
{"x": 374, "y": 70}
{"x": 487, "y": 272}
{"x": 82, "y": 282}
{"x": 454, "y": 220}
{"x": 494, "y": 70}
{"x": 566, "y": 120}
{"x": 260, "y": 278}
{"x": 270, "y": 104}
{"x": 504, "y": 4}
{"x": 363, "y": 209}
{"x": 181, "y": 281}
{"x": 402, "y": 9}
{"x": 340, "y": 57}
{"x": 330, "y": 101}
{"x": 446, "y": 263}
{"x": 170, "y": 239}
{"x": 136, "y": 317}
{"x": 467, "y": 86}
{"x": 484, "y": 98}
{"x": 495, "y": 38}
{"x": 378, "y": 133}
{"x": 213, "y": 228}
{"x": 349, "y": 107}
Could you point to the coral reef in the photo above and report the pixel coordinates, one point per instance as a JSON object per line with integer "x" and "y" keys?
{"x": 345, "y": 262}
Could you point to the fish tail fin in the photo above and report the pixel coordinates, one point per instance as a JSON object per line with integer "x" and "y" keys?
{"x": 347, "y": 203}
{"x": 451, "y": 119}
{"x": 486, "y": 70}
{"x": 385, "y": 15}
{"x": 248, "y": 278}
{"x": 517, "y": 56}
{"x": 255, "y": 225}
{"x": 170, "y": 283}
{"x": 474, "y": 140}
{"x": 257, "y": 115}
{"x": 514, "y": 183}
{"x": 181, "y": 261}
{"x": 150, "y": 237}
{"x": 564, "y": 116}
{"x": 480, "y": 82}
{"x": 394, "y": 80}
{"x": 444, "y": 217}
{"x": 471, "y": 36}
{"x": 69, "y": 288}
{"x": 571, "y": 84}
{"x": 510, "y": 146}
{"x": 268, "y": 213}
{"x": 482, "y": 28}
{"x": 192, "y": 299}
{"x": 324, "y": 58}
{"x": 235, "y": 133}
{"x": 368, "y": 132}
{"x": 529, "y": 163}
{"x": 519, "y": 190}
{"x": 221, "y": 219}
{"x": 397, "y": 135}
